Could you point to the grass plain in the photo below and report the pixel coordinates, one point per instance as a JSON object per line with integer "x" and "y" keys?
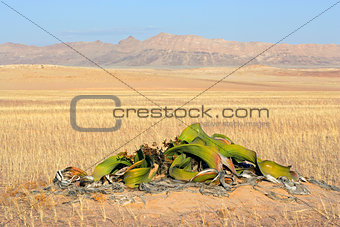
{"x": 302, "y": 130}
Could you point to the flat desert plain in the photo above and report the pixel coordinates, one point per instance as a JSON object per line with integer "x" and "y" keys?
{"x": 302, "y": 130}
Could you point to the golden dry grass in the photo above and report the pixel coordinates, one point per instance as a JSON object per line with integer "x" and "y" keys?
{"x": 37, "y": 140}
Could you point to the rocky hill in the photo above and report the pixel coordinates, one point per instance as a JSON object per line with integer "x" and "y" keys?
{"x": 172, "y": 50}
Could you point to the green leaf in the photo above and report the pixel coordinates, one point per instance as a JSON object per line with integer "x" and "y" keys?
{"x": 181, "y": 174}
{"x": 180, "y": 171}
{"x": 209, "y": 154}
{"x": 109, "y": 165}
{"x": 143, "y": 170}
{"x": 134, "y": 177}
{"x": 276, "y": 170}
{"x": 195, "y": 134}
{"x": 191, "y": 132}
{"x": 228, "y": 163}
{"x": 140, "y": 164}
{"x": 223, "y": 137}
{"x": 205, "y": 175}
{"x": 239, "y": 153}
{"x": 139, "y": 155}
{"x": 198, "y": 140}
{"x": 180, "y": 168}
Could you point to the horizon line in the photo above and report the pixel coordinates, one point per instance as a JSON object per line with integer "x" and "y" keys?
{"x": 165, "y": 33}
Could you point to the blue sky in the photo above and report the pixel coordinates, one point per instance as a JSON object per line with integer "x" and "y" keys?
{"x": 111, "y": 21}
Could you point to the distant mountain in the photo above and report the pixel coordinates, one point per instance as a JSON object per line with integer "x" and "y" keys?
{"x": 172, "y": 50}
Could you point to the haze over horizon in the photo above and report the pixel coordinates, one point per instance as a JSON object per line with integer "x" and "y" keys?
{"x": 110, "y": 22}
{"x": 167, "y": 49}
{"x": 161, "y": 33}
